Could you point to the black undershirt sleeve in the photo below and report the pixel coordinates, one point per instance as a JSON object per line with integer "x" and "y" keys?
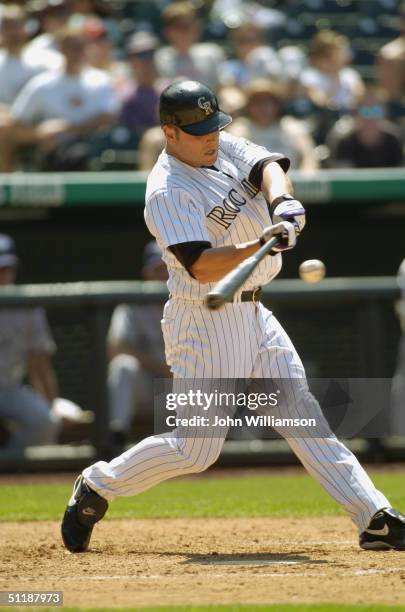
{"x": 187, "y": 253}
{"x": 256, "y": 173}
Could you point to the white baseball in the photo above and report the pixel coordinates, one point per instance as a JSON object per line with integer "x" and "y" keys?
{"x": 312, "y": 270}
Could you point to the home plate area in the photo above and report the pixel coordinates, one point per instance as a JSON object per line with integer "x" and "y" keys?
{"x": 202, "y": 561}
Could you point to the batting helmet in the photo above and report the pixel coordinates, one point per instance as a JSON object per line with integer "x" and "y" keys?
{"x": 193, "y": 107}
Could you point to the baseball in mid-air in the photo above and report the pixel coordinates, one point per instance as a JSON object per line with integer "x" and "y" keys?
{"x": 312, "y": 270}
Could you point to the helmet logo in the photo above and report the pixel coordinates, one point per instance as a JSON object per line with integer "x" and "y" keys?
{"x": 205, "y": 105}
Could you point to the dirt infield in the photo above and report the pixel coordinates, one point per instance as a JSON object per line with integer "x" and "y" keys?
{"x": 191, "y": 561}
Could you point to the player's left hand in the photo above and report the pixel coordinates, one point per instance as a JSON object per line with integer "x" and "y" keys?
{"x": 286, "y": 234}
{"x": 287, "y": 208}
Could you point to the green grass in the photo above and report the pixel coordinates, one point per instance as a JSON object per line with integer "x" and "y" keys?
{"x": 274, "y": 495}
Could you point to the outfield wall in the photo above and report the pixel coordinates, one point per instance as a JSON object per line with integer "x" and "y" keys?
{"x": 89, "y": 226}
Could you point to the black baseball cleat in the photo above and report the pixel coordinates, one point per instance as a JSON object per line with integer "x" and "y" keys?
{"x": 87, "y": 509}
{"x": 386, "y": 531}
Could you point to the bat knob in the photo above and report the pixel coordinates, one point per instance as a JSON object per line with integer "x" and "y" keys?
{"x": 214, "y": 301}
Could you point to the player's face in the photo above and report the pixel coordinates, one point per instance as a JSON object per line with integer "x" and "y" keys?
{"x": 193, "y": 150}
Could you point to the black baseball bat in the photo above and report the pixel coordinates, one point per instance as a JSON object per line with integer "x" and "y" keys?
{"x": 226, "y": 288}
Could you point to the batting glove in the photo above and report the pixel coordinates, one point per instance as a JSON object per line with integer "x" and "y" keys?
{"x": 287, "y": 208}
{"x": 286, "y": 233}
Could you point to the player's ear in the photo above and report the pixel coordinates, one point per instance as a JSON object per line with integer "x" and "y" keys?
{"x": 171, "y": 133}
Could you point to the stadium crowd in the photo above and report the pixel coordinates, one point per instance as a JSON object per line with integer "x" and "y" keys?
{"x": 321, "y": 80}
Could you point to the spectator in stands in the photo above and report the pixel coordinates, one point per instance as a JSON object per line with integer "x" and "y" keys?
{"x": 150, "y": 147}
{"x": 139, "y": 109}
{"x": 89, "y": 7}
{"x": 367, "y": 139}
{"x": 329, "y": 81}
{"x": 16, "y": 67}
{"x": 232, "y": 100}
{"x": 99, "y": 48}
{"x": 136, "y": 352}
{"x": 185, "y": 56}
{"x": 252, "y": 58}
{"x": 265, "y": 124}
{"x": 52, "y": 15}
{"x": 26, "y": 345}
{"x": 331, "y": 87}
{"x": 101, "y": 54}
{"x": 391, "y": 69}
{"x": 61, "y": 112}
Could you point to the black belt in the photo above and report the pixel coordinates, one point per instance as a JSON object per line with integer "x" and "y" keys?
{"x": 251, "y": 296}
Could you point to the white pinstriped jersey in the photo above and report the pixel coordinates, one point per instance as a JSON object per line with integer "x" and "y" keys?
{"x": 239, "y": 341}
{"x": 185, "y": 204}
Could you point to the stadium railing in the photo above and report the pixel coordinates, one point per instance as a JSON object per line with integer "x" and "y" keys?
{"x": 126, "y": 188}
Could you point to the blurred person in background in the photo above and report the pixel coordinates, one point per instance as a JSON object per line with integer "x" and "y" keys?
{"x": 26, "y": 346}
{"x": 185, "y": 56}
{"x": 61, "y": 112}
{"x": 366, "y": 139}
{"x": 139, "y": 110}
{"x": 329, "y": 81}
{"x": 265, "y": 124}
{"x": 398, "y": 381}
{"x": 16, "y": 66}
{"x": 90, "y": 7}
{"x": 136, "y": 352}
{"x": 232, "y": 100}
{"x": 294, "y": 61}
{"x": 391, "y": 69}
{"x": 150, "y": 147}
{"x": 99, "y": 48}
{"x": 249, "y": 53}
{"x": 52, "y": 15}
{"x": 331, "y": 86}
{"x": 101, "y": 54}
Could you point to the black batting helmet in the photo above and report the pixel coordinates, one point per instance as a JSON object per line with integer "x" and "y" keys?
{"x": 193, "y": 107}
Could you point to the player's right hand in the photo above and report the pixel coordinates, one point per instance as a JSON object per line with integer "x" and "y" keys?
{"x": 286, "y": 233}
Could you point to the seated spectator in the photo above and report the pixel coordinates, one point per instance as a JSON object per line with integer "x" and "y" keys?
{"x": 61, "y": 112}
{"x": 52, "y": 15}
{"x": 16, "y": 67}
{"x": 150, "y": 147}
{"x": 136, "y": 352}
{"x": 232, "y": 100}
{"x": 329, "y": 81}
{"x": 139, "y": 109}
{"x": 100, "y": 53}
{"x": 25, "y": 349}
{"x": 89, "y": 7}
{"x": 265, "y": 124}
{"x": 252, "y": 58}
{"x": 185, "y": 56}
{"x": 294, "y": 61}
{"x": 391, "y": 69}
{"x": 99, "y": 48}
{"x": 368, "y": 139}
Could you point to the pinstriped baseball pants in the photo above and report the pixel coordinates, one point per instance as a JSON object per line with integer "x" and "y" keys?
{"x": 238, "y": 341}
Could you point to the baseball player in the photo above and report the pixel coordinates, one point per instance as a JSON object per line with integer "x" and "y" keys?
{"x": 136, "y": 349}
{"x": 211, "y": 201}
{"x": 26, "y": 346}
{"x": 30, "y": 414}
